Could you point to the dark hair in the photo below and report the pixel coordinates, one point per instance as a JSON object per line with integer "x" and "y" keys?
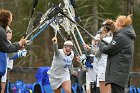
{"x": 109, "y": 25}
{"x": 4, "y": 17}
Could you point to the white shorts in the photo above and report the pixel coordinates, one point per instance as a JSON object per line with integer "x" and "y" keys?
{"x": 4, "y": 78}
{"x": 90, "y": 77}
{"x": 57, "y": 82}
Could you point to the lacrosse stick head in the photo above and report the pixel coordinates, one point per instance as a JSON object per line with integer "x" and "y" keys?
{"x": 37, "y": 20}
{"x": 55, "y": 10}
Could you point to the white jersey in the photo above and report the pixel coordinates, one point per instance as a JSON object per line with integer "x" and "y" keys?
{"x": 59, "y": 71}
{"x": 103, "y": 62}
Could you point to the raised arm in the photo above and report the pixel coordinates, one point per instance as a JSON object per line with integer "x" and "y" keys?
{"x": 55, "y": 46}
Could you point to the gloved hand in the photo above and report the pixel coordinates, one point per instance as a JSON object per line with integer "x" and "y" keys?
{"x": 83, "y": 57}
{"x": 22, "y": 53}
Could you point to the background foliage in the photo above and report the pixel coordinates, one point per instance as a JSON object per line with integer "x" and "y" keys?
{"x": 91, "y": 12}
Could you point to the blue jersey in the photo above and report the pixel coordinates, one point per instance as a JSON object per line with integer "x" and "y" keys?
{"x": 3, "y": 63}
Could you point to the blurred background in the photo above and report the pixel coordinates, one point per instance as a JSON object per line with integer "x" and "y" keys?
{"x": 91, "y": 12}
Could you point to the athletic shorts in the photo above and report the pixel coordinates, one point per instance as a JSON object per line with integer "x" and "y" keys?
{"x": 90, "y": 77}
{"x": 4, "y": 78}
{"x": 116, "y": 88}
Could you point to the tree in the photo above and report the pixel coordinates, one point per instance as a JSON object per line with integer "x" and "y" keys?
{"x": 91, "y": 12}
{"x": 1, "y": 4}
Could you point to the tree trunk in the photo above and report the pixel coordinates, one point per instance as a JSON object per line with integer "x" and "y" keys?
{"x": 1, "y": 4}
{"x": 95, "y": 17}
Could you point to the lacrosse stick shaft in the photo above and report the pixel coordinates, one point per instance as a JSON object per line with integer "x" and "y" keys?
{"x": 81, "y": 39}
{"x": 71, "y": 13}
{"x": 55, "y": 33}
{"x": 41, "y": 30}
{"x": 30, "y": 19}
{"x": 79, "y": 26}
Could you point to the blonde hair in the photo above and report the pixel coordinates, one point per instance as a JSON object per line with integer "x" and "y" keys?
{"x": 124, "y": 20}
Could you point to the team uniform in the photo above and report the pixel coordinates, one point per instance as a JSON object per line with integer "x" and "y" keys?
{"x": 103, "y": 62}
{"x": 59, "y": 71}
{"x": 91, "y": 74}
{"x": 9, "y": 61}
{"x": 4, "y": 77}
